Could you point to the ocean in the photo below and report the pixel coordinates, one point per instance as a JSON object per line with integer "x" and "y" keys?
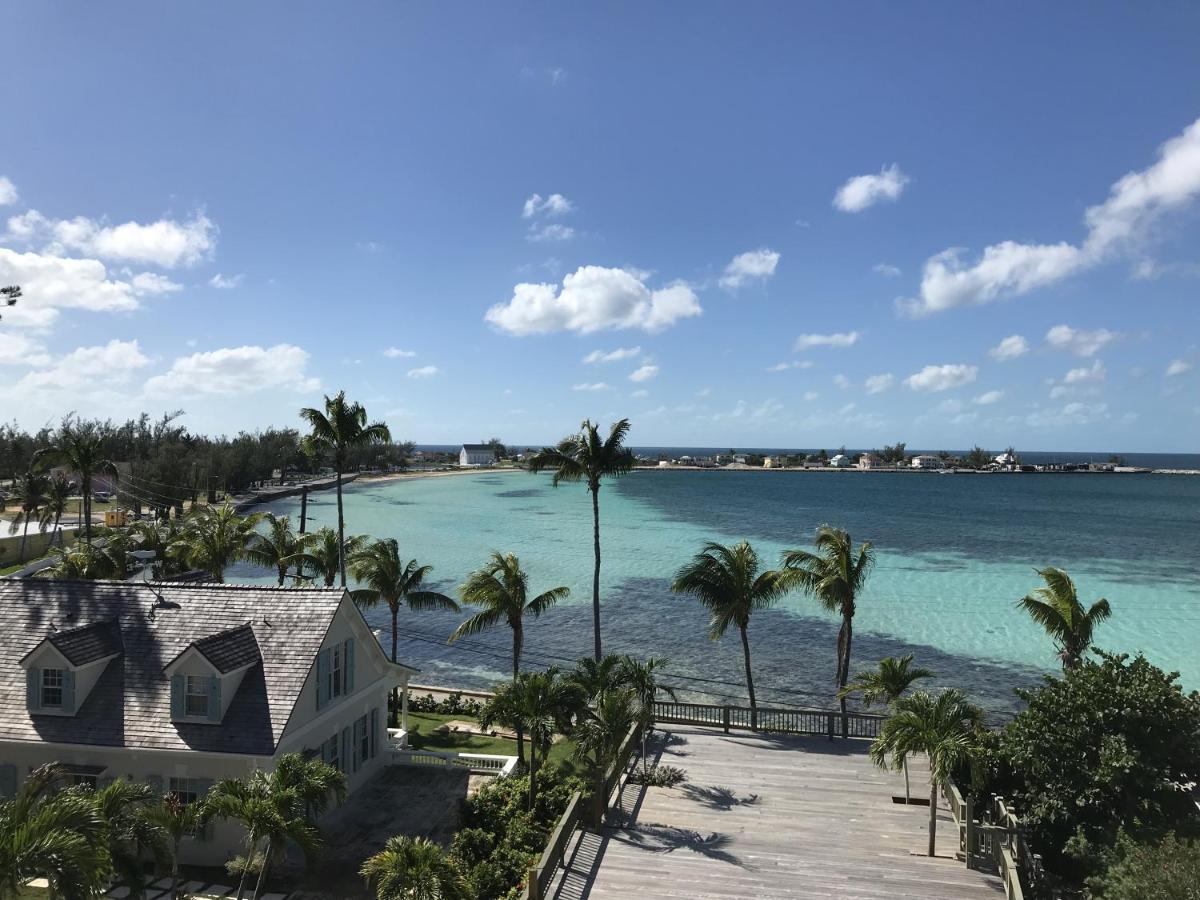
{"x": 954, "y": 554}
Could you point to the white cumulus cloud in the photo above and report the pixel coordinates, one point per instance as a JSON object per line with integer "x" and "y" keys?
{"x": 397, "y": 353}
{"x": 593, "y": 298}
{"x": 1081, "y": 343}
{"x": 152, "y": 284}
{"x": 20, "y": 350}
{"x": 749, "y": 266}
{"x": 236, "y": 370}
{"x": 165, "y": 243}
{"x": 988, "y": 398}
{"x": 590, "y": 386}
{"x": 643, "y": 373}
{"x": 1010, "y": 348}
{"x": 8, "y": 192}
{"x": 1135, "y": 202}
{"x": 886, "y": 270}
{"x": 795, "y": 364}
{"x": 877, "y": 384}
{"x": 599, "y": 356}
{"x": 84, "y": 368}
{"x": 864, "y": 191}
{"x": 552, "y": 232}
{"x": 1086, "y": 374}
{"x": 225, "y": 282}
{"x": 554, "y": 205}
{"x": 1178, "y": 367}
{"x": 424, "y": 372}
{"x": 942, "y": 378}
{"x": 54, "y": 283}
{"x": 840, "y": 339}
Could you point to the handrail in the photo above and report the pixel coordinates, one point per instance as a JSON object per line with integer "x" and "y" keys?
{"x": 995, "y": 836}
{"x": 541, "y": 875}
{"x": 770, "y": 719}
{"x": 478, "y": 763}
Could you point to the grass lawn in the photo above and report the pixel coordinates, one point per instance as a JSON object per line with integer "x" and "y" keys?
{"x": 422, "y": 737}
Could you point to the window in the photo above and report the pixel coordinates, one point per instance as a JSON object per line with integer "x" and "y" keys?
{"x": 196, "y": 697}
{"x": 330, "y": 752}
{"x": 186, "y": 789}
{"x": 361, "y": 738}
{"x": 84, "y": 779}
{"x": 337, "y": 671}
{"x": 52, "y": 687}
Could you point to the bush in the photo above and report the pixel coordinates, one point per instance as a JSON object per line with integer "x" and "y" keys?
{"x": 454, "y": 704}
{"x": 1169, "y": 868}
{"x": 472, "y": 846}
{"x": 658, "y": 776}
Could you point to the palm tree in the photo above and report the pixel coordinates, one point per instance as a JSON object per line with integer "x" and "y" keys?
{"x": 157, "y": 537}
{"x": 277, "y": 809}
{"x": 585, "y": 457}
{"x": 540, "y": 703}
{"x": 132, "y": 832}
{"x": 886, "y": 684}
{"x": 107, "y": 559}
{"x": 598, "y": 736}
{"x": 58, "y": 498}
{"x": 80, "y": 449}
{"x": 53, "y": 834}
{"x": 727, "y": 582}
{"x": 415, "y": 869}
{"x": 1057, "y": 609}
{"x": 280, "y": 548}
{"x": 834, "y": 575}
{"x": 642, "y": 680}
{"x": 177, "y": 820}
{"x": 213, "y": 538}
{"x": 945, "y": 728}
{"x": 502, "y": 589}
{"x": 597, "y": 677}
{"x": 339, "y": 428}
{"x": 29, "y": 490}
{"x": 326, "y": 552}
{"x": 392, "y": 581}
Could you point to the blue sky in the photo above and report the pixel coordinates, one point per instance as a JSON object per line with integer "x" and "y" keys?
{"x": 800, "y": 225}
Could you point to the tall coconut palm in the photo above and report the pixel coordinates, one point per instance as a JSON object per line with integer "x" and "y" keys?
{"x": 726, "y": 580}
{"x": 886, "y": 684}
{"x": 1057, "y": 609}
{"x": 539, "y": 703}
{"x": 588, "y": 458}
{"x": 415, "y": 869}
{"x": 29, "y": 491}
{"x": 177, "y": 821}
{"x": 501, "y": 588}
{"x": 213, "y": 538}
{"x": 58, "y": 498}
{"x": 390, "y": 580}
{"x": 339, "y": 428}
{"x": 132, "y": 833}
{"x": 834, "y": 575}
{"x": 326, "y": 552}
{"x": 53, "y": 834}
{"x": 280, "y": 547}
{"x": 79, "y": 447}
{"x": 944, "y": 727}
{"x": 642, "y": 680}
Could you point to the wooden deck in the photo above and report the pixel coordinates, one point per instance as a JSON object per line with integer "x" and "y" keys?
{"x": 770, "y": 816}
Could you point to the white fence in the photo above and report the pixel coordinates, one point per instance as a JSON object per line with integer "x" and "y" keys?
{"x": 476, "y": 763}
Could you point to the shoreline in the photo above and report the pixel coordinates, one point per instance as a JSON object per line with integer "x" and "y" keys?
{"x": 904, "y": 471}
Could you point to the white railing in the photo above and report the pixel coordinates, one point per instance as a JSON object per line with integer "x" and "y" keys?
{"x": 477, "y": 763}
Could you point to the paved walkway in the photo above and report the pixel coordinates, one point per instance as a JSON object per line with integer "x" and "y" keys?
{"x": 770, "y": 816}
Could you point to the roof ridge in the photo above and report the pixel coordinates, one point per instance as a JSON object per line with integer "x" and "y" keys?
{"x": 233, "y": 586}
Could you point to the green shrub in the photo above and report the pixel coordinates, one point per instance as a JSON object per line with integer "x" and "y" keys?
{"x": 472, "y": 846}
{"x": 658, "y": 776}
{"x": 500, "y": 872}
{"x": 1169, "y": 868}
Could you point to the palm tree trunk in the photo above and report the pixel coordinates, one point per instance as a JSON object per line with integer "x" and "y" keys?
{"x": 24, "y": 538}
{"x": 518, "y": 640}
{"x": 85, "y": 482}
{"x": 844, "y": 671}
{"x": 395, "y": 617}
{"x": 252, "y": 846}
{"x": 57, "y": 516}
{"x": 596, "y": 571}
{"x": 342, "y": 530}
{"x": 532, "y": 774}
{"x": 933, "y": 792}
{"x": 262, "y": 873}
{"x": 749, "y": 679}
{"x": 907, "y": 795}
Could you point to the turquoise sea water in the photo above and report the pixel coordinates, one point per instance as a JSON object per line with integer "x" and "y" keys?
{"x": 954, "y": 554}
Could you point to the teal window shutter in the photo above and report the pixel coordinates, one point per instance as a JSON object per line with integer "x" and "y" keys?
{"x": 349, "y": 653}
{"x": 68, "y": 691}
{"x": 322, "y": 678}
{"x": 8, "y": 780}
{"x": 345, "y": 760}
{"x": 214, "y": 698}
{"x": 177, "y": 707}
{"x": 33, "y": 689}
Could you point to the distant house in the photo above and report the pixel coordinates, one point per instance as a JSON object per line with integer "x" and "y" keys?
{"x": 840, "y": 461}
{"x": 772, "y": 462}
{"x": 926, "y": 461}
{"x": 180, "y": 685}
{"x": 1006, "y": 460}
{"x": 476, "y": 455}
{"x": 869, "y": 461}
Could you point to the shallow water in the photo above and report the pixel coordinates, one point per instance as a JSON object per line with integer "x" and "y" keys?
{"x": 954, "y": 553}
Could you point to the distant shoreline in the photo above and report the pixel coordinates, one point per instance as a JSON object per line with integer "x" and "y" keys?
{"x": 907, "y": 471}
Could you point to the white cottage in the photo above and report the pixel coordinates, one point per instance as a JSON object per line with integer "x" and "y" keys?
{"x": 476, "y": 455}
{"x": 181, "y": 685}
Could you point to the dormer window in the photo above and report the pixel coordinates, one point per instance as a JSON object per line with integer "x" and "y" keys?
{"x": 206, "y": 673}
{"x": 62, "y": 668}
{"x": 196, "y": 698}
{"x": 52, "y": 688}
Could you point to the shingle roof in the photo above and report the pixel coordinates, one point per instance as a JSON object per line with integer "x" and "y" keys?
{"x": 130, "y": 704}
{"x": 230, "y": 649}
{"x": 88, "y": 643}
{"x": 477, "y": 448}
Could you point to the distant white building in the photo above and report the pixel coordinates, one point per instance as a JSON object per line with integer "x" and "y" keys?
{"x": 1006, "y": 460}
{"x": 841, "y": 461}
{"x": 926, "y": 462}
{"x": 476, "y": 455}
{"x": 869, "y": 461}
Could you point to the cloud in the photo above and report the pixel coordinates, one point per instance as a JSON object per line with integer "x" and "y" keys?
{"x": 644, "y": 373}
{"x": 1178, "y": 367}
{"x": 165, "y": 243}
{"x": 599, "y": 356}
{"x": 640, "y": 392}
{"x": 1123, "y": 220}
{"x": 554, "y": 205}
{"x": 877, "y": 384}
{"x": 224, "y": 282}
{"x": 841, "y": 381}
{"x": 1081, "y": 343}
{"x": 54, "y": 283}
{"x": 593, "y": 298}
{"x": 236, "y": 370}
{"x": 397, "y": 353}
{"x": 988, "y": 398}
{"x": 1074, "y": 413}
{"x": 942, "y": 378}
{"x": 864, "y": 191}
{"x": 553, "y": 232}
{"x": 82, "y": 369}
{"x": 886, "y": 270}
{"x": 1010, "y": 348}
{"x": 20, "y": 350}
{"x": 590, "y": 386}
{"x": 8, "y": 192}
{"x": 1095, "y": 372}
{"x": 424, "y": 372}
{"x": 811, "y": 396}
{"x": 753, "y": 264}
{"x": 795, "y": 364}
{"x": 153, "y": 284}
{"x": 841, "y": 339}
